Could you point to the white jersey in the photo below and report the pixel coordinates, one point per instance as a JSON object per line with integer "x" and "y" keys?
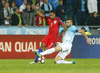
{"x": 69, "y": 34}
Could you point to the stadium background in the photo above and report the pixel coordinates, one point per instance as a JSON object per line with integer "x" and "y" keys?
{"x": 21, "y": 46}
{"x": 17, "y": 44}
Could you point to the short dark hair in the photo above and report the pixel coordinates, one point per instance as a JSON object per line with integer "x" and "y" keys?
{"x": 70, "y": 19}
{"x": 29, "y": 4}
{"x": 52, "y": 11}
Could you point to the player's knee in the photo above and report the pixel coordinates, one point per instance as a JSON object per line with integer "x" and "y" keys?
{"x": 43, "y": 46}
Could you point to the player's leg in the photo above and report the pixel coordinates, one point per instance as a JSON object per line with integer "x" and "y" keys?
{"x": 60, "y": 58}
{"x": 61, "y": 47}
{"x": 43, "y": 46}
{"x": 66, "y": 49}
{"x": 49, "y": 51}
{"x": 52, "y": 50}
{"x": 51, "y": 44}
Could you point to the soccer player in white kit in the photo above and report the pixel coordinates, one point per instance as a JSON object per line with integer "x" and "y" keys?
{"x": 66, "y": 45}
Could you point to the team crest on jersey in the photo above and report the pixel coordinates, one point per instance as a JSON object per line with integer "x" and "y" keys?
{"x": 55, "y": 22}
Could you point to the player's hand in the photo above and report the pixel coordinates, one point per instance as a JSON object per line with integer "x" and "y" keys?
{"x": 34, "y": 25}
{"x": 88, "y": 42}
{"x": 21, "y": 26}
{"x": 59, "y": 34}
{"x": 9, "y": 24}
{"x": 8, "y": 18}
{"x": 33, "y": 6}
{"x": 63, "y": 11}
{"x": 26, "y": 25}
{"x": 63, "y": 33}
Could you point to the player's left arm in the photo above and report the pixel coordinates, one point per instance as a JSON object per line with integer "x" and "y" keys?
{"x": 86, "y": 37}
{"x": 63, "y": 25}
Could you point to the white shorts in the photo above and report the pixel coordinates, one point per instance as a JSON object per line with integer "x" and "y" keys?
{"x": 66, "y": 49}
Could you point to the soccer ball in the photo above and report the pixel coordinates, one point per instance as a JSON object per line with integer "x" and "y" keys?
{"x": 41, "y": 60}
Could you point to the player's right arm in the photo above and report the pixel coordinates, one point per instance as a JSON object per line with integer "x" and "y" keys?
{"x": 86, "y": 37}
{"x": 39, "y": 13}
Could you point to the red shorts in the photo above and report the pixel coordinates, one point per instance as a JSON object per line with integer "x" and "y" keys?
{"x": 50, "y": 41}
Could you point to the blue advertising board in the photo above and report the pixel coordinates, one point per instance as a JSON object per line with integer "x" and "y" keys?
{"x": 80, "y": 48}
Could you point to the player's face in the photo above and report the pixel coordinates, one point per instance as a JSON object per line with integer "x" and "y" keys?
{"x": 17, "y": 10}
{"x": 61, "y": 2}
{"x": 6, "y": 5}
{"x": 28, "y": 7}
{"x": 52, "y": 15}
{"x": 3, "y": 2}
{"x": 95, "y": 15}
{"x": 25, "y": 2}
{"x": 13, "y": 5}
{"x": 68, "y": 23}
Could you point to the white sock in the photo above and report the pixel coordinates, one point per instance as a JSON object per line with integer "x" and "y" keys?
{"x": 63, "y": 62}
{"x": 49, "y": 51}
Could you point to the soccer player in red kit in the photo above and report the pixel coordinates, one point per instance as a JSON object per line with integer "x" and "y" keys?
{"x": 51, "y": 38}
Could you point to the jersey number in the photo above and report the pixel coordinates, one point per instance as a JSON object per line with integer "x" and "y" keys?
{"x": 51, "y": 24}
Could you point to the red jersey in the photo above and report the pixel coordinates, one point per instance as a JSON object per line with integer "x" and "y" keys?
{"x": 53, "y": 25}
{"x": 52, "y": 37}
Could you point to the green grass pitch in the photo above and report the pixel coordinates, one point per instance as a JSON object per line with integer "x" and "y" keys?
{"x": 23, "y": 66}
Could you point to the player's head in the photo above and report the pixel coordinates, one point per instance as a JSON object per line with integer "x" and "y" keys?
{"x": 46, "y": 1}
{"x": 16, "y": 10}
{"x": 69, "y": 22}
{"x": 37, "y": 4}
{"x": 25, "y": 2}
{"x": 61, "y": 2}
{"x": 95, "y": 14}
{"x": 28, "y": 6}
{"x": 52, "y": 14}
{"x": 6, "y": 5}
{"x": 3, "y": 1}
